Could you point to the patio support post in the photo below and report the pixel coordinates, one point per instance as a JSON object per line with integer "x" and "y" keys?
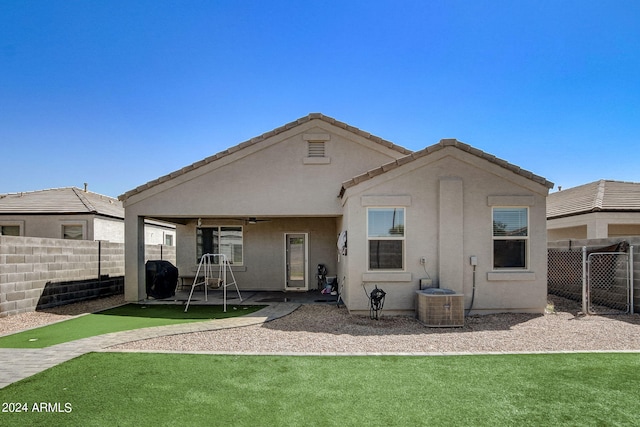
{"x": 134, "y": 282}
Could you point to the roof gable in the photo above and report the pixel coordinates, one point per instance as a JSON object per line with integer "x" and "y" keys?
{"x": 261, "y": 138}
{"x": 599, "y": 196}
{"x": 444, "y": 143}
{"x": 69, "y": 200}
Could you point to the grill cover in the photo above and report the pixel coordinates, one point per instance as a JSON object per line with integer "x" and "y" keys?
{"x": 161, "y": 279}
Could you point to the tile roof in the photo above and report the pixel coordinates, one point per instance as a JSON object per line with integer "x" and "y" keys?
{"x": 68, "y": 200}
{"x": 260, "y": 138}
{"x": 599, "y": 196}
{"x": 444, "y": 143}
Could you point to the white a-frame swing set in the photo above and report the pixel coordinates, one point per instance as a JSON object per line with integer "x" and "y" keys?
{"x": 214, "y": 274}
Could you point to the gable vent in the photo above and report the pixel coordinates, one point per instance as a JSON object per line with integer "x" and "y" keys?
{"x": 315, "y": 149}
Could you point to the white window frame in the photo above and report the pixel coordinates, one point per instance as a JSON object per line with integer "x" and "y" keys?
{"x": 526, "y": 238}
{"x": 402, "y": 238}
{"x": 81, "y": 224}
{"x": 19, "y": 224}
{"x": 219, "y": 228}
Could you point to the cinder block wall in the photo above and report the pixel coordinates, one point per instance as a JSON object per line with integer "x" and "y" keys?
{"x": 64, "y": 271}
{"x": 61, "y": 293}
{"x": 160, "y": 252}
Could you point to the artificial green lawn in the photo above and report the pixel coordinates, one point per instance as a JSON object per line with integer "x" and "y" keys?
{"x": 138, "y": 389}
{"x": 123, "y": 318}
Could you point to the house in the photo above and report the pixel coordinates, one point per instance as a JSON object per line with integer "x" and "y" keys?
{"x": 72, "y": 213}
{"x": 599, "y": 209}
{"x": 319, "y": 191}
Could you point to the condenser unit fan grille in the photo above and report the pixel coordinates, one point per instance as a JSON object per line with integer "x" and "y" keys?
{"x": 441, "y": 310}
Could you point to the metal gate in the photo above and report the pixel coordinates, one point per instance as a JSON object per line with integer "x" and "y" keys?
{"x": 608, "y": 287}
{"x": 602, "y": 279}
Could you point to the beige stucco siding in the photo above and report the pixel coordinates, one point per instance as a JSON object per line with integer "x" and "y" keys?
{"x": 447, "y": 191}
{"x": 272, "y": 179}
{"x": 94, "y": 227}
{"x": 450, "y": 188}
{"x": 618, "y": 230}
{"x": 594, "y": 225}
{"x": 50, "y": 226}
{"x": 108, "y": 229}
{"x": 269, "y": 178}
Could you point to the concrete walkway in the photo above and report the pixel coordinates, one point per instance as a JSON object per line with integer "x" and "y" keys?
{"x": 20, "y": 363}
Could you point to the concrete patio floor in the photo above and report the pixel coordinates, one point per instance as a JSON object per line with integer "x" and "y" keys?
{"x": 216, "y": 297}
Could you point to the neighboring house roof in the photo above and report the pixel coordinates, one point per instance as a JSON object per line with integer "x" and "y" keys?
{"x": 598, "y": 196}
{"x": 69, "y": 200}
{"x": 437, "y": 147}
{"x": 260, "y": 138}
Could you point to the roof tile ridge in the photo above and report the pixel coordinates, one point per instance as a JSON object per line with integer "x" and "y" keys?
{"x": 29, "y": 192}
{"x": 360, "y": 132}
{"x": 262, "y": 137}
{"x": 85, "y": 201}
{"x": 599, "y": 199}
{"x": 442, "y": 144}
{"x": 496, "y": 160}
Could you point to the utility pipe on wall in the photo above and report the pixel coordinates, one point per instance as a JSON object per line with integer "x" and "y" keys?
{"x": 474, "y": 262}
{"x": 631, "y": 310}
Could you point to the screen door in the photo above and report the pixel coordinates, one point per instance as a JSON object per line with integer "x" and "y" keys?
{"x": 296, "y": 259}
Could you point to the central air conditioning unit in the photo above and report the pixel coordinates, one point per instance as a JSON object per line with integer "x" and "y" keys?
{"x": 440, "y": 308}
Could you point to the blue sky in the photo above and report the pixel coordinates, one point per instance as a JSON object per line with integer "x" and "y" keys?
{"x": 118, "y": 93}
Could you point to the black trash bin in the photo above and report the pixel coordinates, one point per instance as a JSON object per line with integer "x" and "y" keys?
{"x": 161, "y": 279}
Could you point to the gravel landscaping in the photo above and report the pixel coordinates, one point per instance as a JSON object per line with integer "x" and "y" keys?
{"x": 320, "y": 328}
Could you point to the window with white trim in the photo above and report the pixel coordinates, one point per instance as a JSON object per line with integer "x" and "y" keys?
{"x": 9, "y": 230}
{"x": 385, "y": 238}
{"x": 510, "y": 238}
{"x": 72, "y": 231}
{"x": 225, "y": 240}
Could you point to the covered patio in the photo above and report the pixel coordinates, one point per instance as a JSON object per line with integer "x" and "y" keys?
{"x": 267, "y": 253}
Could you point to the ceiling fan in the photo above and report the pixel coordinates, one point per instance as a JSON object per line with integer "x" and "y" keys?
{"x": 246, "y": 220}
{"x": 254, "y": 220}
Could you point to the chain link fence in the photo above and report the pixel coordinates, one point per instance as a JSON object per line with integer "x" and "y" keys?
{"x": 565, "y": 271}
{"x": 608, "y": 288}
{"x": 598, "y": 278}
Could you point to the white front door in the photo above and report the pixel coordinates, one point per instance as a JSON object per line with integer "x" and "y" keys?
{"x": 296, "y": 261}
